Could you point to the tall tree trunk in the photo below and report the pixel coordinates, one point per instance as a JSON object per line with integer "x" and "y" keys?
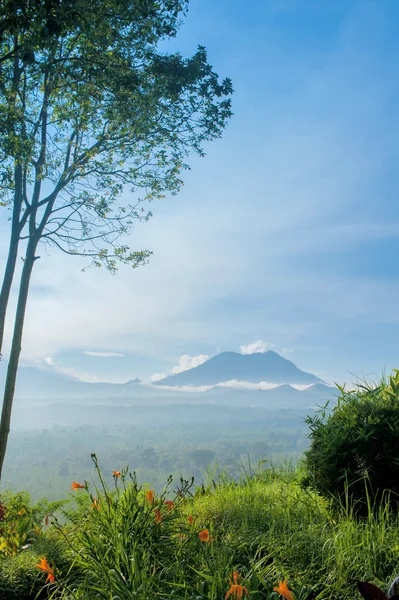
{"x": 12, "y": 252}
{"x": 16, "y": 348}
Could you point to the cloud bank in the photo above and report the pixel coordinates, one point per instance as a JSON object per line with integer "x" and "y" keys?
{"x": 157, "y": 377}
{"x": 70, "y": 372}
{"x": 232, "y": 384}
{"x": 259, "y": 346}
{"x": 187, "y": 362}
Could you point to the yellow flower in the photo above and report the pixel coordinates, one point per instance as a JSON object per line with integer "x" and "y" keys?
{"x": 283, "y": 590}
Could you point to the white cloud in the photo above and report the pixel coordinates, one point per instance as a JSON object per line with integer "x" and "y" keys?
{"x": 259, "y": 346}
{"x": 248, "y": 385}
{"x": 103, "y": 354}
{"x": 157, "y": 377}
{"x": 285, "y": 351}
{"x": 70, "y": 372}
{"x": 185, "y": 388}
{"x": 187, "y": 362}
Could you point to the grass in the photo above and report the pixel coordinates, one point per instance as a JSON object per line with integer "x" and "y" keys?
{"x": 265, "y": 527}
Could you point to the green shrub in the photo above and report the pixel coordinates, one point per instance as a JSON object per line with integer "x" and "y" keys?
{"x": 24, "y": 540}
{"x": 354, "y": 453}
{"x": 20, "y": 579}
{"x": 21, "y": 523}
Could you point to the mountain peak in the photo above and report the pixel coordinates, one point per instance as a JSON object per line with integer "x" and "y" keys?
{"x": 261, "y": 366}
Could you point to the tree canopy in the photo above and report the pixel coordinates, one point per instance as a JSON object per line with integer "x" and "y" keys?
{"x": 89, "y": 107}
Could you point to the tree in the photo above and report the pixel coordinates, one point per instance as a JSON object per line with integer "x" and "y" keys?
{"x": 92, "y": 113}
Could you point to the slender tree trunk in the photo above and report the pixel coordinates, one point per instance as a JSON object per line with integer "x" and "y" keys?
{"x": 12, "y": 252}
{"x": 7, "y": 282}
{"x": 16, "y": 348}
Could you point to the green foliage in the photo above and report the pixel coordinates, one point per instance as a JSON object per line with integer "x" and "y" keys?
{"x": 22, "y": 524}
{"x": 127, "y": 544}
{"x": 276, "y": 529}
{"x": 20, "y": 579}
{"x": 266, "y": 527}
{"x": 354, "y": 450}
{"x": 91, "y": 109}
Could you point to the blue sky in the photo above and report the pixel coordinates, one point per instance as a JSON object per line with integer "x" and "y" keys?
{"x": 288, "y": 230}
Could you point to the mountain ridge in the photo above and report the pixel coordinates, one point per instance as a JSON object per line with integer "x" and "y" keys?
{"x": 258, "y": 367}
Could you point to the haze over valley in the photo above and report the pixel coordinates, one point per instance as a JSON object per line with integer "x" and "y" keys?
{"x": 183, "y": 424}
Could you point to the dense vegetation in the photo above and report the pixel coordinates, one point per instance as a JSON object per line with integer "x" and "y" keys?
{"x": 126, "y": 542}
{"x": 115, "y": 538}
{"x": 354, "y": 452}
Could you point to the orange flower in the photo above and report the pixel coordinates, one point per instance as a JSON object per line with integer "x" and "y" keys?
{"x": 95, "y": 504}
{"x": 77, "y": 486}
{"x": 238, "y": 591}
{"x": 204, "y": 536}
{"x": 283, "y": 590}
{"x": 235, "y": 576}
{"x": 44, "y": 566}
{"x": 116, "y": 473}
{"x": 170, "y": 505}
{"x": 190, "y": 520}
{"x": 150, "y": 495}
{"x": 158, "y": 516}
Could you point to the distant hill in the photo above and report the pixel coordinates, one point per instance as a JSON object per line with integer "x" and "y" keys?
{"x": 261, "y": 366}
{"x": 42, "y": 384}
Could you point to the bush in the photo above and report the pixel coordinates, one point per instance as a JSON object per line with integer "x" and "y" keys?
{"x": 20, "y": 579}
{"x": 21, "y": 523}
{"x": 24, "y": 540}
{"x": 354, "y": 453}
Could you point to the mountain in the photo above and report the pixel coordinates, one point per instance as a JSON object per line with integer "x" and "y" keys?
{"x": 261, "y": 366}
